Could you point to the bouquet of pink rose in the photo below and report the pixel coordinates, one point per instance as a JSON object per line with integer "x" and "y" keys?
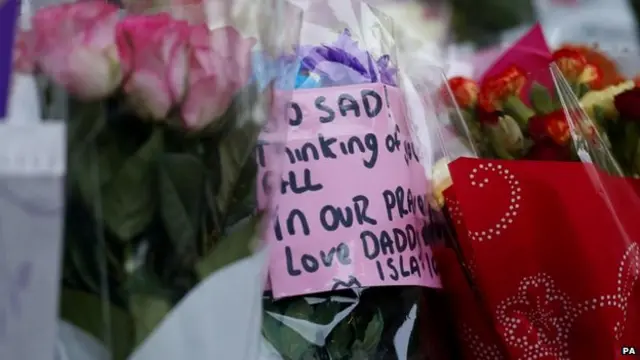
{"x": 163, "y": 120}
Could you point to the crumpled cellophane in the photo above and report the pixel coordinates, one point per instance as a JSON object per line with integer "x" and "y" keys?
{"x": 545, "y": 260}
{"x": 169, "y": 107}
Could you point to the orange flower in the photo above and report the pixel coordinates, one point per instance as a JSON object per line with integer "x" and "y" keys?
{"x": 465, "y": 92}
{"x": 576, "y": 68}
{"x": 552, "y": 126}
{"x": 570, "y": 62}
{"x": 610, "y": 73}
{"x": 496, "y": 89}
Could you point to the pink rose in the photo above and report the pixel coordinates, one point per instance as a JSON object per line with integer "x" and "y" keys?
{"x": 192, "y": 11}
{"x": 153, "y": 53}
{"x": 219, "y": 66}
{"x": 74, "y": 44}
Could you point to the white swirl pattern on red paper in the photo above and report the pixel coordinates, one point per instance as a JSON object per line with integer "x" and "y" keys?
{"x": 538, "y": 320}
{"x": 480, "y": 177}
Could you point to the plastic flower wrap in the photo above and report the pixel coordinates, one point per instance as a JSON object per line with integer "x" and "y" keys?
{"x": 351, "y": 274}
{"x": 516, "y": 111}
{"x": 164, "y": 117}
{"x": 527, "y": 271}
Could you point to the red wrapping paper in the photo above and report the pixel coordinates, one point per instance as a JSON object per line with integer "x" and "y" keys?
{"x": 552, "y": 250}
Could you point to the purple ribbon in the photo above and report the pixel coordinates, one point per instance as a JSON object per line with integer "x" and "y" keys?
{"x": 8, "y": 19}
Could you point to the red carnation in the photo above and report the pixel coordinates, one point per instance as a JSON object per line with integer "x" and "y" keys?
{"x": 495, "y": 90}
{"x": 552, "y": 126}
{"x": 627, "y": 104}
{"x": 570, "y": 62}
{"x": 465, "y": 92}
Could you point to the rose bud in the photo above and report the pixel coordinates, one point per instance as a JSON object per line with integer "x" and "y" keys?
{"x": 505, "y": 136}
{"x": 502, "y": 93}
{"x": 193, "y": 11}
{"x": 465, "y": 92}
{"x": 75, "y": 46}
{"x": 627, "y": 104}
{"x": 153, "y": 51}
{"x": 219, "y": 66}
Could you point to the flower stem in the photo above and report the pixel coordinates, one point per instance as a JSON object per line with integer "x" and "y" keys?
{"x": 517, "y": 109}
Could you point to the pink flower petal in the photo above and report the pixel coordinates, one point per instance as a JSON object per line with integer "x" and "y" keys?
{"x": 205, "y": 102}
{"x": 148, "y": 91}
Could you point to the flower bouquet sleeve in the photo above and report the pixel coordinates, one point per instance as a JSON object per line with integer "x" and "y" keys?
{"x": 351, "y": 272}
{"x": 162, "y": 215}
{"x": 530, "y": 270}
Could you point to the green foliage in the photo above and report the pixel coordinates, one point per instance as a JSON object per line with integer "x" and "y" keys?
{"x": 151, "y": 211}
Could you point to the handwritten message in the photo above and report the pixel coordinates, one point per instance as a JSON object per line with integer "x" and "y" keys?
{"x": 8, "y": 19}
{"x": 352, "y": 207}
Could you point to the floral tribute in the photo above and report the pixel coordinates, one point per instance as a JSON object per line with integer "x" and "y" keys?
{"x": 504, "y": 123}
{"x": 528, "y": 234}
{"x": 162, "y": 121}
{"x": 357, "y": 323}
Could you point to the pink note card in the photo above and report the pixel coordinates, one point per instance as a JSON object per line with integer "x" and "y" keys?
{"x": 352, "y": 207}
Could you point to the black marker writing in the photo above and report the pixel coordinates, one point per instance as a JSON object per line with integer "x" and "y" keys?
{"x": 309, "y": 263}
{"x": 369, "y": 101}
{"x": 299, "y": 187}
{"x": 334, "y": 217}
{"x": 403, "y": 202}
{"x": 355, "y": 144}
{"x": 294, "y": 215}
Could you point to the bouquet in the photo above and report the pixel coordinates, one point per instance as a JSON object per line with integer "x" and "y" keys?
{"x": 517, "y": 113}
{"x": 350, "y": 256}
{"x": 527, "y": 271}
{"x": 163, "y": 119}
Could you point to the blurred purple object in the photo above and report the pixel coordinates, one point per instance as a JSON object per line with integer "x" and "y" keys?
{"x": 8, "y": 17}
{"x": 344, "y": 63}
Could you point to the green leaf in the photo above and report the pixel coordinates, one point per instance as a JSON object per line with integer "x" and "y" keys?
{"x": 98, "y": 317}
{"x": 237, "y": 168}
{"x": 373, "y": 334}
{"x": 358, "y": 352}
{"x": 341, "y": 338}
{"x": 520, "y": 112}
{"x": 324, "y": 313}
{"x": 290, "y": 344}
{"x": 540, "y": 99}
{"x": 299, "y": 309}
{"x": 87, "y": 121}
{"x": 147, "y": 313}
{"x": 583, "y": 89}
{"x": 235, "y": 246}
{"x": 128, "y": 200}
{"x": 181, "y": 182}
{"x": 599, "y": 115}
